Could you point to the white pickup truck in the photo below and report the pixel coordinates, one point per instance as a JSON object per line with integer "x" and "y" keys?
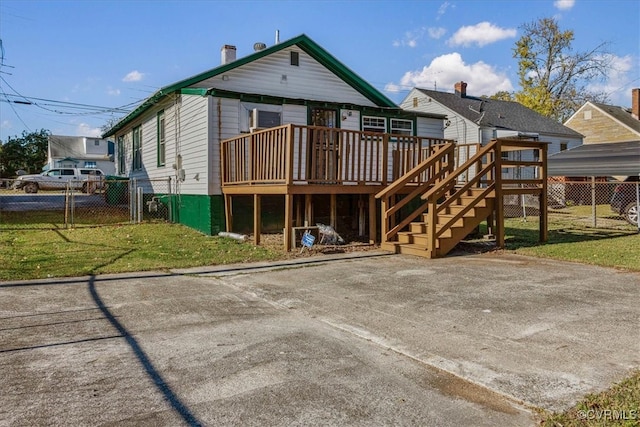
{"x": 86, "y": 179}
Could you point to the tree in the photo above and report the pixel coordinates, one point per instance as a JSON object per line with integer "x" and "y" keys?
{"x": 28, "y": 153}
{"x": 554, "y": 80}
{"x": 502, "y": 95}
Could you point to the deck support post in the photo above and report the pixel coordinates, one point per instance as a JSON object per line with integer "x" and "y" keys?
{"x": 257, "y": 219}
{"x": 228, "y": 212}
{"x": 298, "y": 207}
{"x": 334, "y": 211}
{"x": 308, "y": 210}
{"x": 288, "y": 220}
{"x": 499, "y": 196}
{"x": 373, "y": 224}
{"x": 544, "y": 203}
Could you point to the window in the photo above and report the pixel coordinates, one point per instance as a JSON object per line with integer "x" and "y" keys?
{"x": 587, "y": 115}
{"x": 161, "y": 140}
{"x": 374, "y": 124}
{"x": 295, "y": 59}
{"x": 260, "y": 119}
{"x": 96, "y": 142}
{"x": 121, "y": 155}
{"x": 137, "y": 148}
{"x": 563, "y": 146}
{"x": 90, "y": 165}
{"x": 401, "y": 127}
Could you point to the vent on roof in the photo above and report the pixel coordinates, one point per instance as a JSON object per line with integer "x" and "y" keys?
{"x": 259, "y": 46}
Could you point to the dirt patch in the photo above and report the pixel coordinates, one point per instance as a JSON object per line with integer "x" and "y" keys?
{"x": 276, "y": 242}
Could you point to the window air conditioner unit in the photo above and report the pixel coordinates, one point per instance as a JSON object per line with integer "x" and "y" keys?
{"x": 261, "y": 119}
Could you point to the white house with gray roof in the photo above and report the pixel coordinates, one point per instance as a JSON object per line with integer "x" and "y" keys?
{"x": 80, "y": 152}
{"x": 472, "y": 120}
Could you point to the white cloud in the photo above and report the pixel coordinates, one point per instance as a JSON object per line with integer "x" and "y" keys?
{"x": 410, "y": 38}
{"x": 444, "y": 71}
{"x": 618, "y": 80}
{"x": 436, "y": 32}
{"x": 134, "y": 76}
{"x": 5, "y": 124}
{"x": 564, "y": 4}
{"x": 113, "y": 92}
{"x": 84, "y": 129}
{"x": 480, "y": 34}
{"x": 443, "y": 9}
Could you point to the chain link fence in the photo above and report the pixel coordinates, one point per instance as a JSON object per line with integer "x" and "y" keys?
{"x": 88, "y": 203}
{"x": 582, "y": 203}
{"x": 600, "y": 204}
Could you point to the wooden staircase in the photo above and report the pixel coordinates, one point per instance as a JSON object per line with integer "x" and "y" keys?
{"x": 452, "y": 226}
{"x": 454, "y": 200}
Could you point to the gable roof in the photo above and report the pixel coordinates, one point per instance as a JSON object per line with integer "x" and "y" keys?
{"x": 506, "y": 115}
{"x": 620, "y": 114}
{"x": 302, "y": 41}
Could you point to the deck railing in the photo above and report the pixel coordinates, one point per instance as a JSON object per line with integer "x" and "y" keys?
{"x": 294, "y": 154}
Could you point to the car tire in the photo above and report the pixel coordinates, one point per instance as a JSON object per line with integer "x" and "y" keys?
{"x": 631, "y": 213}
{"x": 31, "y": 187}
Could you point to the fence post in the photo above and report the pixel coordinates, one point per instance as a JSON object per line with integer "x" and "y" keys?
{"x": 169, "y": 199}
{"x": 139, "y": 198}
{"x": 132, "y": 200}
{"x": 593, "y": 201}
{"x": 66, "y": 206}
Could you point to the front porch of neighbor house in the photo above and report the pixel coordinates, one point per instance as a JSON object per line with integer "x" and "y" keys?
{"x": 301, "y": 163}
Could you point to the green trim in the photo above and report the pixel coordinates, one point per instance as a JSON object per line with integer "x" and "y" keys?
{"x": 202, "y": 213}
{"x": 193, "y": 91}
{"x": 136, "y": 158}
{"x": 302, "y": 41}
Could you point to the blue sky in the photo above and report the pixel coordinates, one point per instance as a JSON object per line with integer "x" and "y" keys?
{"x": 67, "y": 57}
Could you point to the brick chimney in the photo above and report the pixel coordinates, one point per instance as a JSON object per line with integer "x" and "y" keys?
{"x": 461, "y": 89}
{"x": 635, "y": 103}
{"x": 227, "y": 54}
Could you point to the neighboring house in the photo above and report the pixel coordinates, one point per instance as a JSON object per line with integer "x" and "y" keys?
{"x": 178, "y": 134}
{"x": 80, "y": 152}
{"x": 604, "y": 124}
{"x": 473, "y": 119}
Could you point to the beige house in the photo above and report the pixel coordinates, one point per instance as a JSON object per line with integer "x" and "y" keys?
{"x": 602, "y": 123}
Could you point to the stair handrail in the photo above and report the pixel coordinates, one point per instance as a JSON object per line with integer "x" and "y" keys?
{"x": 400, "y": 183}
{"x": 449, "y": 181}
{"x": 386, "y": 194}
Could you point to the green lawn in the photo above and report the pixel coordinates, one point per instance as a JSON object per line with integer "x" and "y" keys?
{"x": 58, "y": 252}
{"x": 568, "y": 241}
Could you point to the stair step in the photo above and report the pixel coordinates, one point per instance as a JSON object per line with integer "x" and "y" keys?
{"x": 421, "y": 239}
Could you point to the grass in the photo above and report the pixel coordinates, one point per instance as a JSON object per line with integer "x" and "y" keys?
{"x": 59, "y": 252}
{"x": 36, "y": 245}
{"x": 618, "y": 248}
{"x": 618, "y": 406}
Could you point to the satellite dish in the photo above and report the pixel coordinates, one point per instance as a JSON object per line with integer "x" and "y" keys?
{"x": 259, "y": 46}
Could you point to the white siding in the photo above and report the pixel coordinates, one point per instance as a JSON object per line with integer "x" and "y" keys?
{"x": 350, "y": 119}
{"x": 273, "y": 75}
{"x": 458, "y": 128}
{"x": 192, "y": 141}
{"x": 429, "y": 127}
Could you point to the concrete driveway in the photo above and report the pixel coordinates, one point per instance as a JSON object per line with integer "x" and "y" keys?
{"x": 364, "y": 339}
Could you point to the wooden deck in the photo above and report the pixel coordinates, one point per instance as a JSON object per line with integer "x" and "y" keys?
{"x": 294, "y": 160}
